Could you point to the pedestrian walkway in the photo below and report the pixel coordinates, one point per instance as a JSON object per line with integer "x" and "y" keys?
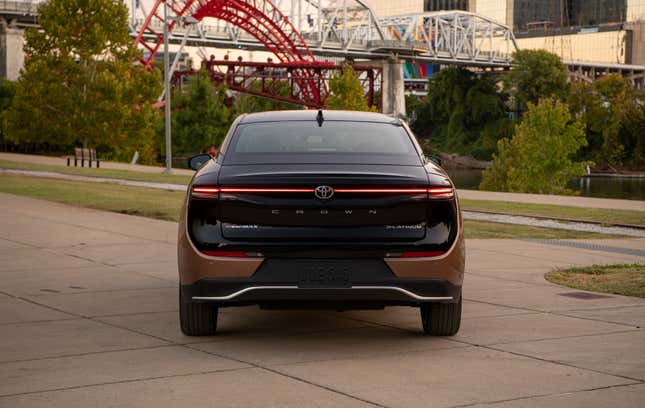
{"x": 570, "y": 201}
{"x": 91, "y": 179}
{"x": 60, "y": 161}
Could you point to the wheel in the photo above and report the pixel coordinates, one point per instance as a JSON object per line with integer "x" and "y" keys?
{"x": 197, "y": 319}
{"x": 441, "y": 319}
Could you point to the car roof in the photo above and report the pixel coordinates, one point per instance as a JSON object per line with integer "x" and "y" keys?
{"x": 331, "y": 115}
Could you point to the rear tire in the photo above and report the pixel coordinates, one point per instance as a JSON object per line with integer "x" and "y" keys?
{"x": 441, "y": 319}
{"x": 197, "y": 319}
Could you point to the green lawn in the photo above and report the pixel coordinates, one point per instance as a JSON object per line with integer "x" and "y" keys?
{"x": 94, "y": 172}
{"x": 165, "y": 205}
{"x": 628, "y": 280}
{"x": 485, "y": 229}
{"x": 557, "y": 211}
{"x": 147, "y": 202}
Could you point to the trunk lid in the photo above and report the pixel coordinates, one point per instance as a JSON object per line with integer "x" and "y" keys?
{"x": 279, "y": 202}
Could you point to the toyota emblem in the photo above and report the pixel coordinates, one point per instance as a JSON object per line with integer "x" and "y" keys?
{"x": 324, "y": 192}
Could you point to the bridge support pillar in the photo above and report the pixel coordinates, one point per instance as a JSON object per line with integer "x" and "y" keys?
{"x": 393, "y": 87}
{"x": 12, "y": 56}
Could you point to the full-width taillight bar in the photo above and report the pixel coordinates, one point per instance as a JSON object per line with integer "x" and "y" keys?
{"x": 435, "y": 193}
{"x": 381, "y": 190}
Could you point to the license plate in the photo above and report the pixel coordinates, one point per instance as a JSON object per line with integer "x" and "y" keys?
{"x": 325, "y": 275}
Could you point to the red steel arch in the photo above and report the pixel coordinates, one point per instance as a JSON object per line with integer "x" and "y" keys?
{"x": 259, "y": 18}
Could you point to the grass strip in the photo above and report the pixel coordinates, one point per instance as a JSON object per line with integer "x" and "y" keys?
{"x": 486, "y": 229}
{"x": 146, "y": 202}
{"x": 619, "y": 279}
{"x": 557, "y": 211}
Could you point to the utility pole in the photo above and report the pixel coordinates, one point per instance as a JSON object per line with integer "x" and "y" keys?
{"x": 166, "y": 84}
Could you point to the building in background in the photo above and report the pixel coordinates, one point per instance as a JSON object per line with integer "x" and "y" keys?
{"x": 604, "y": 31}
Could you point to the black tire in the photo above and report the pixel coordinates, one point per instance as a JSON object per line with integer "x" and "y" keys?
{"x": 197, "y": 319}
{"x": 441, "y": 319}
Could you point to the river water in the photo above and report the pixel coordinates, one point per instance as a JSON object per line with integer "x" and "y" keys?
{"x": 631, "y": 188}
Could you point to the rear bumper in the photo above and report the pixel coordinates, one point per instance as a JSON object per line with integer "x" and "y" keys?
{"x": 356, "y": 296}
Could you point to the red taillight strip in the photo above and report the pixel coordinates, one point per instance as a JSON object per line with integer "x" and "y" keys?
{"x": 441, "y": 192}
{"x": 228, "y": 254}
{"x": 433, "y": 192}
{"x": 206, "y": 190}
{"x": 265, "y": 190}
{"x": 421, "y": 254}
{"x": 381, "y": 190}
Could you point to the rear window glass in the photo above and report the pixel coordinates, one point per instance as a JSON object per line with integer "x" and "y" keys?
{"x": 333, "y": 138}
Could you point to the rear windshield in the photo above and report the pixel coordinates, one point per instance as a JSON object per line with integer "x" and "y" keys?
{"x": 333, "y": 142}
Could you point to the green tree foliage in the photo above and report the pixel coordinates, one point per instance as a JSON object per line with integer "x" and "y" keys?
{"x": 200, "y": 117}
{"x": 462, "y": 113}
{"x": 536, "y": 74}
{"x": 248, "y": 103}
{"x": 203, "y": 113}
{"x": 7, "y": 93}
{"x": 538, "y": 159}
{"x": 613, "y": 116}
{"x": 347, "y": 93}
{"x": 79, "y": 83}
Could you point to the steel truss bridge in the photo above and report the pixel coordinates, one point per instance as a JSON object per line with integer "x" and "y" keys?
{"x": 307, "y": 35}
{"x": 304, "y": 34}
{"x": 327, "y": 28}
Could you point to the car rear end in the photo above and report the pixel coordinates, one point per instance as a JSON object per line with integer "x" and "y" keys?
{"x": 341, "y": 214}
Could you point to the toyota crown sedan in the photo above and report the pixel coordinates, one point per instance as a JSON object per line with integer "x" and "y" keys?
{"x": 326, "y": 209}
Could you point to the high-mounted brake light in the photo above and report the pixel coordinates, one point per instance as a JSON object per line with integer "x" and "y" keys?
{"x": 437, "y": 193}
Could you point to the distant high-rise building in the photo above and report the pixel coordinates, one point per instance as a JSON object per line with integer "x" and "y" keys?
{"x": 554, "y": 14}
{"x": 437, "y": 5}
{"x": 611, "y": 31}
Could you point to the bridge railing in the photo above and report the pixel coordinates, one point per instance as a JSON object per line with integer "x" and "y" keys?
{"x": 19, "y": 7}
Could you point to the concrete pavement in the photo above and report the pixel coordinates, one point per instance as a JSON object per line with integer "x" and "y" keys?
{"x": 88, "y": 317}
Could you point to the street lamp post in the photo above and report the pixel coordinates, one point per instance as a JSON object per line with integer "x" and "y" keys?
{"x": 166, "y": 84}
{"x": 186, "y": 21}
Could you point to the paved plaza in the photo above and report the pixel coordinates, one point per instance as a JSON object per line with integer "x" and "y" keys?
{"x": 88, "y": 318}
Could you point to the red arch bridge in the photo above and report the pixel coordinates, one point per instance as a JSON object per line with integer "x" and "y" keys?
{"x": 307, "y": 36}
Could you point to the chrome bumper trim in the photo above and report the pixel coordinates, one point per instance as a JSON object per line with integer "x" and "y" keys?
{"x": 394, "y": 288}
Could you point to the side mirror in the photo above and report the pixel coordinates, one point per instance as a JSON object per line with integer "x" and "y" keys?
{"x": 197, "y": 161}
{"x": 434, "y": 159}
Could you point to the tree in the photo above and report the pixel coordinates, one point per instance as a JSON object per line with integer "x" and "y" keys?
{"x": 611, "y": 113}
{"x": 7, "y": 93}
{"x": 80, "y": 85}
{"x": 201, "y": 116}
{"x": 463, "y": 113}
{"x": 536, "y": 74}
{"x": 347, "y": 93}
{"x": 248, "y": 103}
{"x": 538, "y": 157}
